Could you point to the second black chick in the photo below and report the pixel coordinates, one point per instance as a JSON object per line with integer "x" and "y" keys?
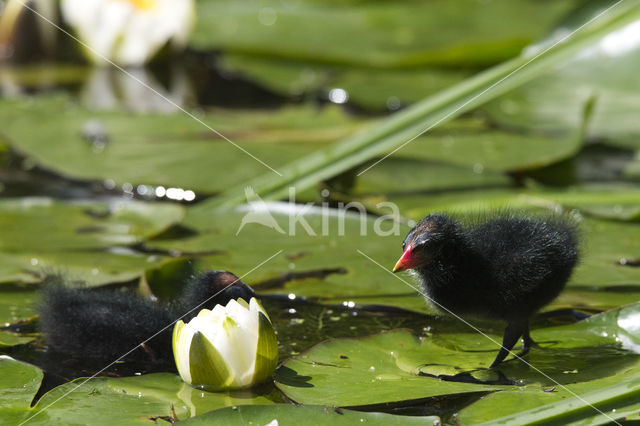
{"x": 507, "y": 267}
{"x": 106, "y": 325}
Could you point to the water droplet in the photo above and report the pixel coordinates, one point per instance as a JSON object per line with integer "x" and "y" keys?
{"x": 393, "y": 103}
{"x": 189, "y": 195}
{"x": 338, "y": 95}
{"x": 109, "y": 184}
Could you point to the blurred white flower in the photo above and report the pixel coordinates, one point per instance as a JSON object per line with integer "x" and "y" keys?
{"x": 229, "y": 347}
{"x": 128, "y": 32}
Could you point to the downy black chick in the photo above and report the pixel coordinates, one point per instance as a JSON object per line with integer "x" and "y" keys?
{"x": 507, "y": 267}
{"x": 107, "y": 324}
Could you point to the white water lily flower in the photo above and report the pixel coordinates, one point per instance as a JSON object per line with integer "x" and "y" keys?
{"x": 229, "y": 347}
{"x": 128, "y": 32}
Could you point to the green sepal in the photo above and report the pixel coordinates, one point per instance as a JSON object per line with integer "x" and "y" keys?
{"x": 208, "y": 368}
{"x": 267, "y": 350}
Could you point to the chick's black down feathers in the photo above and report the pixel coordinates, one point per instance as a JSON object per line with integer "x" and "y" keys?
{"x": 109, "y": 324}
{"x": 506, "y": 267}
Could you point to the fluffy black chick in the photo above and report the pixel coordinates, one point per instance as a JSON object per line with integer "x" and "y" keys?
{"x": 107, "y": 324}
{"x": 506, "y": 267}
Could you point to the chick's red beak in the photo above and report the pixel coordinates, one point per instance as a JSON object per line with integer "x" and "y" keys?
{"x": 406, "y": 261}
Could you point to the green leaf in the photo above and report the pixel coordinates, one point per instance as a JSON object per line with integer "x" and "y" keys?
{"x": 173, "y": 150}
{"x": 398, "y": 129}
{"x": 291, "y": 415}
{"x": 377, "y": 369}
{"x": 133, "y": 400}
{"x": 397, "y": 366}
{"x": 42, "y": 235}
{"x": 19, "y": 383}
{"x": 599, "y": 377}
{"x": 377, "y": 34}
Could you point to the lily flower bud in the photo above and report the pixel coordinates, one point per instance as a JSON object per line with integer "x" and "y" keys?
{"x": 229, "y": 347}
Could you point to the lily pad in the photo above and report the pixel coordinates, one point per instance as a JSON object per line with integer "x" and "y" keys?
{"x": 473, "y": 143}
{"x": 376, "y": 369}
{"x": 84, "y": 240}
{"x": 604, "y": 71}
{"x": 19, "y": 383}
{"x": 610, "y": 383}
{"x": 397, "y": 366}
{"x": 371, "y": 89}
{"x": 315, "y": 257}
{"x": 166, "y": 149}
{"x": 132, "y": 400}
{"x": 8, "y": 338}
{"x": 380, "y": 34}
{"x": 285, "y": 415}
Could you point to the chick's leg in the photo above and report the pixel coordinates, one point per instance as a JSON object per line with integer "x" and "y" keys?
{"x": 527, "y": 342}
{"x": 512, "y": 334}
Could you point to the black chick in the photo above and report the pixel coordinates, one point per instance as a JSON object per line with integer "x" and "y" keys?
{"x": 107, "y": 325}
{"x": 507, "y": 267}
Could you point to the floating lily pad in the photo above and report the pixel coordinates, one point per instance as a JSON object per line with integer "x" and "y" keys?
{"x": 404, "y": 175}
{"x": 16, "y": 303}
{"x": 372, "y": 89}
{"x": 166, "y": 149}
{"x": 603, "y": 71}
{"x": 285, "y": 415}
{"x": 322, "y": 265}
{"x": 133, "y": 400}
{"x": 8, "y": 338}
{"x": 397, "y": 366}
{"x": 79, "y": 239}
{"x": 381, "y": 34}
{"x": 19, "y": 383}
{"x": 473, "y": 143}
{"x": 376, "y": 369}
{"x": 602, "y": 378}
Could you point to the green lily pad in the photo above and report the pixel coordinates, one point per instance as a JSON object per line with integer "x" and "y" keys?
{"x": 604, "y": 71}
{"x": 133, "y": 400}
{"x": 79, "y": 239}
{"x": 8, "y": 338}
{"x": 167, "y": 149}
{"x": 380, "y": 34}
{"x": 397, "y": 366}
{"x": 289, "y": 414}
{"x": 473, "y": 143}
{"x": 602, "y": 378}
{"x": 19, "y": 383}
{"x": 328, "y": 262}
{"x": 17, "y": 303}
{"x": 401, "y": 174}
{"x": 372, "y": 89}
{"x": 377, "y": 369}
